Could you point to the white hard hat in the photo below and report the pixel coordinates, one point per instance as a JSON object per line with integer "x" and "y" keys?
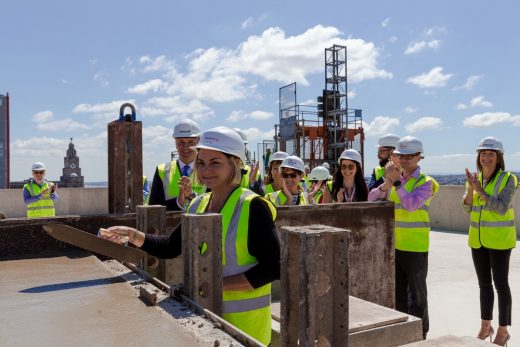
{"x": 326, "y": 165}
{"x": 388, "y": 140}
{"x": 278, "y": 156}
{"x": 38, "y": 166}
{"x": 293, "y": 162}
{"x": 242, "y": 135}
{"x": 186, "y": 128}
{"x": 409, "y": 145}
{"x": 223, "y": 139}
{"x": 491, "y": 143}
{"x": 319, "y": 173}
{"x": 350, "y": 154}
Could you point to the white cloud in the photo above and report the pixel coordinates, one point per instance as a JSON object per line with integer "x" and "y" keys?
{"x": 43, "y": 116}
{"x": 423, "y": 124}
{"x": 222, "y": 75}
{"x": 238, "y": 115}
{"x": 154, "y": 85}
{"x": 410, "y": 109}
{"x": 432, "y": 79}
{"x": 488, "y": 119}
{"x": 247, "y": 23}
{"x": 102, "y": 79}
{"x": 385, "y": 23}
{"x": 434, "y": 30}
{"x": 103, "y": 108}
{"x": 392, "y": 39}
{"x": 255, "y": 134}
{"x": 261, "y": 115}
{"x": 421, "y": 45}
{"x": 309, "y": 102}
{"x": 477, "y": 101}
{"x": 471, "y": 81}
{"x": 380, "y": 125}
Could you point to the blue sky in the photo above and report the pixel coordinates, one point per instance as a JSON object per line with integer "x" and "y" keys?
{"x": 444, "y": 71}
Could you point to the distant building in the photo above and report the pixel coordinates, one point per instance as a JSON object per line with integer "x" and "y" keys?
{"x": 71, "y": 171}
{"x": 4, "y": 141}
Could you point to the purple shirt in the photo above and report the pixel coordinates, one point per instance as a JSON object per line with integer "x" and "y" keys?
{"x": 410, "y": 201}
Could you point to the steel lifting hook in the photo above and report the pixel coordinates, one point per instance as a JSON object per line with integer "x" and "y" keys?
{"x": 127, "y": 117}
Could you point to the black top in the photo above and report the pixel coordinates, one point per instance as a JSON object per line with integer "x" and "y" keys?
{"x": 157, "y": 196}
{"x": 262, "y": 243}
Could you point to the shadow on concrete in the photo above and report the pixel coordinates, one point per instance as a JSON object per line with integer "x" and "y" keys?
{"x": 72, "y": 285}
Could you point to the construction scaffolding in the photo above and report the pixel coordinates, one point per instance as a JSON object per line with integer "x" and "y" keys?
{"x": 319, "y": 133}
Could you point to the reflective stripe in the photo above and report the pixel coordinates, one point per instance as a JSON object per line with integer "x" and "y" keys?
{"x": 497, "y": 185}
{"x": 411, "y": 225}
{"x": 508, "y": 223}
{"x": 236, "y": 306}
{"x": 50, "y": 207}
{"x": 475, "y": 208}
{"x": 232, "y": 268}
{"x": 422, "y": 208}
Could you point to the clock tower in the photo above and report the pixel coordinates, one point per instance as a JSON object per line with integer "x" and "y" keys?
{"x": 71, "y": 171}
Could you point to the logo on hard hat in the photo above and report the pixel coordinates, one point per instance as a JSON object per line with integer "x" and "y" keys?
{"x": 211, "y": 139}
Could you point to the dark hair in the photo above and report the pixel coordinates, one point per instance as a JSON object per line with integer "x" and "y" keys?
{"x": 359, "y": 183}
{"x": 268, "y": 176}
{"x": 500, "y": 163}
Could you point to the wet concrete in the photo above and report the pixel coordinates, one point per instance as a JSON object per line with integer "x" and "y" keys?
{"x": 75, "y": 300}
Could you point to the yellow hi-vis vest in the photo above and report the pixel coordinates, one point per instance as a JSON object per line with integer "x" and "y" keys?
{"x": 170, "y": 174}
{"x": 269, "y": 189}
{"x": 248, "y": 310}
{"x": 278, "y": 198}
{"x": 379, "y": 172}
{"x": 488, "y": 228}
{"x": 412, "y": 229}
{"x": 43, "y": 207}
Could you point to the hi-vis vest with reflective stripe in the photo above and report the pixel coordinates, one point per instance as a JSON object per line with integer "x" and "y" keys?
{"x": 170, "y": 175}
{"x": 245, "y": 177}
{"x": 43, "y": 207}
{"x": 269, "y": 189}
{"x": 412, "y": 229}
{"x": 488, "y": 228}
{"x": 320, "y": 193}
{"x": 249, "y": 310}
{"x": 278, "y": 198}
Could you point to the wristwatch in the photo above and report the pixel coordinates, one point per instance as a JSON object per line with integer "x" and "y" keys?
{"x": 397, "y": 184}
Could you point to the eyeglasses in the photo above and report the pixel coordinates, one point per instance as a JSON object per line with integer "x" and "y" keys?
{"x": 383, "y": 150}
{"x": 407, "y": 156}
{"x": 39, "y": 172}
{"x": 291, "y": 175}
{"x": 347, "y": 166}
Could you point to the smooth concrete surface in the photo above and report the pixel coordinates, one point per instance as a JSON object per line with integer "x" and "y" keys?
{"x": 453, "y": 292}
{"x": 72, "y": 201}
{"x": 451, "y": 341}
{"x": 74, "y": 300}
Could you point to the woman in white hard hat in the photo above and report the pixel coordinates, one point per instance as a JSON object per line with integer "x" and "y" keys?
{"x": 252, "y": 236}
{"x": 273, "y": 179}
{"x": 492, "y": 233}
{"x": 348, "y": 182}
{"x": 292, "y": 170}
{"x": 319, "y": 191}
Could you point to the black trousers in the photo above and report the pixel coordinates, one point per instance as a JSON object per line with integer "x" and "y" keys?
{"x": 411, "y": 295}
{"x": 491, "y": 266}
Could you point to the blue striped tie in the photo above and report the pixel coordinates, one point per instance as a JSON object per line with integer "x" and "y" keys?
{"x": 186, "y": 171}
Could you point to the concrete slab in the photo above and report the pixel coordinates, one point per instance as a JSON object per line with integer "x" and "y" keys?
{"x": 451, "y": 341}
{"x": 453, "y": 293}
{"x": 75, "y": 300}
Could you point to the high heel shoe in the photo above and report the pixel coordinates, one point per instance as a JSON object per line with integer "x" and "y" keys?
{"x": 505, "y": 341}
{"x": 490, "y": 333}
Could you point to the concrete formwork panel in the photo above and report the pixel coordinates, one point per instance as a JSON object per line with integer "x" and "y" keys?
{"x": 371, "y": 247}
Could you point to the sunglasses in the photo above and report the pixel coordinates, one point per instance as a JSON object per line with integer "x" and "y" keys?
{"x": 347, "y": 166}
{"x": 39, "y": 172}
{"x": 407, "y": 156}
{"x": 291, "y": 175}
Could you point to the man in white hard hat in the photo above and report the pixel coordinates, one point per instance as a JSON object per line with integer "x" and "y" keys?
{"x": 39, "y": 194}
{"x": 251, "y": 178}
{"x": 385, "y": 147}
{"x": 168, "y": 176}
{"x": 412, "y": 192}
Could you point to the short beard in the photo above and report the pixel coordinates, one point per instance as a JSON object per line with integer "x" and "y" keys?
{"x": 383, "y": 161}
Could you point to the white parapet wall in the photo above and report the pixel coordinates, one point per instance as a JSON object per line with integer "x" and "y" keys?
{"x": 446, "y": 211}
{"x": 72, "y": 201}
